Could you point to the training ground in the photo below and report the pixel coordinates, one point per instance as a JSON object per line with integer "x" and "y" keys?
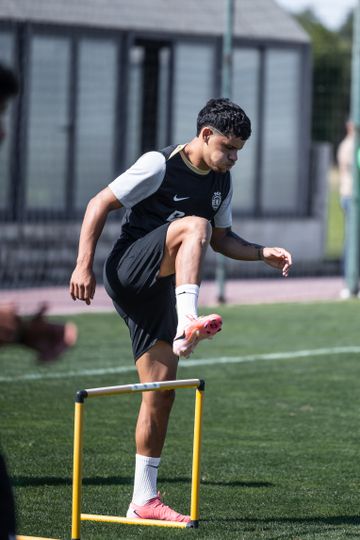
{"x": 280, "y": 429}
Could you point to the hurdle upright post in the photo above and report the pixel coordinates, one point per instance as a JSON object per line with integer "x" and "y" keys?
{"x": 77, "y": 464}
{"x": 195, "y": 483}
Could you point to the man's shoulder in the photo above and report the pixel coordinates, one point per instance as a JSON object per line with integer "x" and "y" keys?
{"x": 152, "y": 162}
{"x": 171, "y": 150}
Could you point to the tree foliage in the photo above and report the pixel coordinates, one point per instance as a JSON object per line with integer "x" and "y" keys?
{"x": 331, "y": 83}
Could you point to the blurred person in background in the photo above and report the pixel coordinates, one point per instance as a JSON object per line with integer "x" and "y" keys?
{"x": 345, "y": 160}
{"x": 49, "y": 340}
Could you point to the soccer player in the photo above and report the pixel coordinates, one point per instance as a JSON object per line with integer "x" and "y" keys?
{"x": 178, "y": 202}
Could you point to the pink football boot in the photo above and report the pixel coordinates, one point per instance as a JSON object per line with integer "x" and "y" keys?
{"x": 198, "y": 328}
{"x": 155, "y": 509}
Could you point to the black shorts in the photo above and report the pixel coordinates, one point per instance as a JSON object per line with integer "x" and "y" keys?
{"x": 145, "y": 302}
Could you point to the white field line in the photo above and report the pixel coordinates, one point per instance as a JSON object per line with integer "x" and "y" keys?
{"x": 37, "y": 376}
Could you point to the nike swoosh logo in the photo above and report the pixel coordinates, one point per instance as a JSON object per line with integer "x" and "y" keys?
{"x": 177, "y": 199}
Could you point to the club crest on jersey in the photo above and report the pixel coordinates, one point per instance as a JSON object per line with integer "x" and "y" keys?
{"x": 216, "y": 200}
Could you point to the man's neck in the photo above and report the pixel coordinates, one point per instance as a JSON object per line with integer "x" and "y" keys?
{"x": 192, "y": 151}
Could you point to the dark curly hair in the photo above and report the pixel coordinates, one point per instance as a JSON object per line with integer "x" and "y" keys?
{"x": 9, "y": 85}
{"x": 226, "y": 116}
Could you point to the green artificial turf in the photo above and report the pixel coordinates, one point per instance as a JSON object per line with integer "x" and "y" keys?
{"x": 335, "y": 226}
{"x": 280, "y": 436}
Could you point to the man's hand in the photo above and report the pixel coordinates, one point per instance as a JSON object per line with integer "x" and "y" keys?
{"x": 9, "y": 323}
{"x": 277, "y": 258}
{"x": 49, "y": 340}
{"x": 82, "y": 284}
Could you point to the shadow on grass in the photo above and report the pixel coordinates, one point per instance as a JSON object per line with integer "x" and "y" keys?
{"x": 26, "y": 481}
{"x": 330, "y": 520}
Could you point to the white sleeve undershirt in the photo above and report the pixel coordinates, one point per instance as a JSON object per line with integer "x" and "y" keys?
{"x": 141, "y": 180}
{"x": 223, "y": 217}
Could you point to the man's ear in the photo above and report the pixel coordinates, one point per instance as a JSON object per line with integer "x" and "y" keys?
{"x": 205, "y": 134}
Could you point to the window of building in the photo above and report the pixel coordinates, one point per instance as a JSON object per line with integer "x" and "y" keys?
{"x": 148, "y": 97}
{"x": 246, "y": 92}
{"x": 96, "y": 118}
{"x": 7, "y": 43}
{"x": 72, "y": 121}
{"x": 49, "y": 102}
{"x": 194, "y": 85}
{"x": 281, "y": 132}
{"x": 134, "y": 104}
{"x": 163, "y": 97}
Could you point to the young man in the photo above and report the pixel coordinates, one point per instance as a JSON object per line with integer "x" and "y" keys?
{"x": 48, "y": 340}
{"x": 177, "y": 202}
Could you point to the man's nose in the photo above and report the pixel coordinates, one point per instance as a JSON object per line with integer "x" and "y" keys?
{"x": 234, "y": 155}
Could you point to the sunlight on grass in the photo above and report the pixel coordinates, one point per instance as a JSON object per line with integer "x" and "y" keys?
{"x": 280, "y": 437}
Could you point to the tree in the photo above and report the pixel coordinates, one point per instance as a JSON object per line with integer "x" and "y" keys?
{"x": 331, "y": 76}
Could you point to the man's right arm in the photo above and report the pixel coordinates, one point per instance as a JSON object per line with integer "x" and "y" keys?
{"x": 82, "y": 282}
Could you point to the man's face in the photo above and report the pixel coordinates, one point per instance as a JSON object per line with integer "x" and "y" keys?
{"x": 220, "y": 151}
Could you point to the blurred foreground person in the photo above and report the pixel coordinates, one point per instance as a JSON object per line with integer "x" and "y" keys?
{"x": 49, "y": 340}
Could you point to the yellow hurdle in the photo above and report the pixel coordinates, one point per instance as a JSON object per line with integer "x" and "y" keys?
{"x": 77, "y": 516}
{"x": 33, "y": 538}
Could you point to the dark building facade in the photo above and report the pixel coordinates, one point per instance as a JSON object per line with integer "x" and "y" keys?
{"x": 102, "y": 81}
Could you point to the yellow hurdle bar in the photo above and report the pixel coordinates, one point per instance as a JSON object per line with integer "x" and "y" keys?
{"x": 129, "y": 521}
{"x": 141, "y": 387}
{"x": 77, "y": 517}
{"x": 21, "y": 537}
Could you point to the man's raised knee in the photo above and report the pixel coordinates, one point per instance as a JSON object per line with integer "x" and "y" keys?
{"x": 197, "y": 226}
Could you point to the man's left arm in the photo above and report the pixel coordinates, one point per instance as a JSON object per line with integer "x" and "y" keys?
{"x": 229, "y": 244}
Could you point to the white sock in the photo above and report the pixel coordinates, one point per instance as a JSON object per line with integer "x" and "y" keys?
{"x": 186, "y": 303}
{"x": 145, "y": 483}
